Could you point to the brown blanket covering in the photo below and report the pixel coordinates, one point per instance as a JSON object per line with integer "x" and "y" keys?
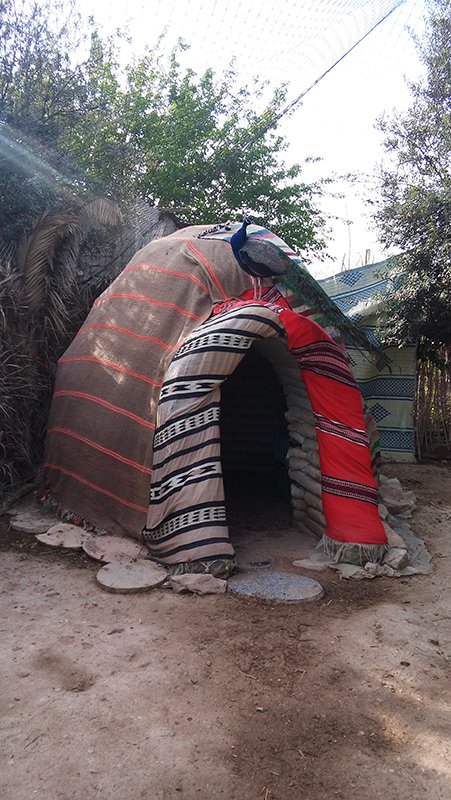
{"x": 100, "y": 434}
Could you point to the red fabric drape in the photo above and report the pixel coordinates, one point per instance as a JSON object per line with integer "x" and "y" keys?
{"x": 349, "y": 489}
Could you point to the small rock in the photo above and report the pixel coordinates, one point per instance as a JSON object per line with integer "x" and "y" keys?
{"x": 198, "y": 584}
{"x": 373, "y": 569}
{"x": 395, "y": 499}
{"x": 393, "y": 483}
{"x": 393, "y": 538}
{"x": 26, "y": 506}
{"x": 396, "y": 558}
{"x": 383, "y": 512}
{"x": 307, "y": 563}
{"x": 276, "y": 585}
{"x": 396, "y": 504}
{"x": 351, "y": 571}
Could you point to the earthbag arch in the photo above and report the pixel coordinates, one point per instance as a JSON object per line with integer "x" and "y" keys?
{"x": 186, "y": 520}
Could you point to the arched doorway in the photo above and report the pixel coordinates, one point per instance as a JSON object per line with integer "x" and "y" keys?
{"x": 254, "y": 445}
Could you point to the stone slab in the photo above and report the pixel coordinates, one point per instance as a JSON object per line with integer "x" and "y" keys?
{"x": 397, "y": 558}
{"x": 113, "y": 548}
{"x": 276, "y": 585}
{"x": 31, "y": 523}
{"x": 134, "y": 575}
{"x": 70, "y": 537}
{"x": 25, "y": 506}
{"x": 393, "y": 538}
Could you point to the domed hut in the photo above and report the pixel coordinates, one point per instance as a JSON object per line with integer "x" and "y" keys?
{"x": 186, "y": 367}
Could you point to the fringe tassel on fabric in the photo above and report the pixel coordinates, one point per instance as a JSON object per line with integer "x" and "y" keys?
{"x": 349, "y": 553}
{"x": 219, "y": 568}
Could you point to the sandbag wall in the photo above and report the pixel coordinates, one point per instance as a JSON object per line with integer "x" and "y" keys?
{"x": 303, "y": 459}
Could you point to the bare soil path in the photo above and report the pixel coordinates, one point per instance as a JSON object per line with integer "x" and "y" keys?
{"x": 159, "y": 697}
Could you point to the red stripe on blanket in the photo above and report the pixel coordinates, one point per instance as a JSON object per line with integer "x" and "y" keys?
{"x": 94, "y": 399}
{"x": 128, "y": 333}
{"x": 100, "y": 448}
{"x": 66, "y": 359}
{"x": 208, "y": 266}
{"x": 95, "y": 487}
{"x": 168, "y": 272}
{"x": 145, "y": 299}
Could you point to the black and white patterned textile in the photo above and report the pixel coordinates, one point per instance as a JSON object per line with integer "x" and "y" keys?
{"x": 187, "y": 516}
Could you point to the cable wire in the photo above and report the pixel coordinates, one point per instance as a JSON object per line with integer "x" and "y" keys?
{"x": 276, "y": 119}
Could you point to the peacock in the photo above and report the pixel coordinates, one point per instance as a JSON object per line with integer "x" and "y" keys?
{"x": 263, "y": 259}
{"x": 257, "y": 257}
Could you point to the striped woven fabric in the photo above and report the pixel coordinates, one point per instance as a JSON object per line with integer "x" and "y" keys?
{"x": 99, "y": 447}
{"x": 187, "y": 515}
{"x": 136, "y": 401}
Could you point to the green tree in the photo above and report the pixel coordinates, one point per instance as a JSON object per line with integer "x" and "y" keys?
{"x": 190, "y": 143}
{"x": 415, "y": 212}
{"x": 41, "y": 95}
{"x": 148, "y": 131}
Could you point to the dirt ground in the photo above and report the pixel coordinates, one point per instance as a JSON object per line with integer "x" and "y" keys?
{"x": 157, "y": 696}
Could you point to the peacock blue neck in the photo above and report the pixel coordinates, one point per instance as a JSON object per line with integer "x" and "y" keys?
{"x": 239, "y": 238}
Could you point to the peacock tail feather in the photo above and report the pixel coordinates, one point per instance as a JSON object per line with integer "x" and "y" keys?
{"x": 310, "y": 293}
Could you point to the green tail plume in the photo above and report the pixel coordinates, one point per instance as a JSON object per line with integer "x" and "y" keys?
{"x": 308, "y": 291}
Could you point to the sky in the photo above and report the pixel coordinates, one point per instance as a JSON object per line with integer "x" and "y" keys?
{"x": 295, "y": 42}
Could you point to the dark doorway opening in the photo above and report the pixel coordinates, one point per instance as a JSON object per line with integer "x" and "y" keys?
{"x": 254, "y": 442}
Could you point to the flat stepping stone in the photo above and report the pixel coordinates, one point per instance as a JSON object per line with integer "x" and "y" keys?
{"x": 27, "y": 506}
{"x": 134, "y": 575}
{"x": 31, "y": 523}
{"x": 285, "y": 587}
{"x": 113, "y": 548}
{"x": 70, "y": 537}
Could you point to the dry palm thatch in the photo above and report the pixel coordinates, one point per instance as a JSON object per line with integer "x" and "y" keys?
{"x": 17, "y": 383}
{"x": 40, "y": 255}
{"x": 47, "y": 259}
{"x": 99, "y": 212}
{"x": 42, "y": 305}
